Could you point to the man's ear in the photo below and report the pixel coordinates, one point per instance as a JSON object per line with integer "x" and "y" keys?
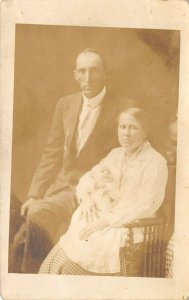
{"x": 106, "y": 76}
{"x": 108, "y": 73}
{"x": 75, "y": 75}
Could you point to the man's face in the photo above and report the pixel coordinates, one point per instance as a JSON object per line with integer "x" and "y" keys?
{"x": 90, "y": 74}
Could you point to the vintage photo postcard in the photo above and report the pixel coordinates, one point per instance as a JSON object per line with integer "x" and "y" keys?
{"x": 94, "y": 139}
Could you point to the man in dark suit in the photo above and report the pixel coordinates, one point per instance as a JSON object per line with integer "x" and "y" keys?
{"x": 83, "y": 131}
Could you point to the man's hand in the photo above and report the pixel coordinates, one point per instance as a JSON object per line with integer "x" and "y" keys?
{"x": 88, "y": 209}
{"x": 26, "y": 205}
{"x": 96, "y": 226}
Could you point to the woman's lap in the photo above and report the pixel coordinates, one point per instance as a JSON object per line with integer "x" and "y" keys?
{"x": 58, "y": 263}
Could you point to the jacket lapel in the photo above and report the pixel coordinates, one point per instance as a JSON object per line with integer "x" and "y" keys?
{"x": 73, "y": 116}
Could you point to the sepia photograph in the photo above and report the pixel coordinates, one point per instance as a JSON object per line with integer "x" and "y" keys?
{"x": 94, "y": 151}
{"x": 94, "y": 139}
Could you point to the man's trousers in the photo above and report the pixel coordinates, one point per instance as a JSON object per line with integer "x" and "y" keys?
{"x": 46, "y": 221}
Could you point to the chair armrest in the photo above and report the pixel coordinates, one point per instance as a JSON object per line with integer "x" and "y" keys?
{"x": 145, "y": 222}
{"x": 152, "y": 245}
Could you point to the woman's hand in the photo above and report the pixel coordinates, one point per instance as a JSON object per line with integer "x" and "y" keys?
{"x": 88, "y": 210}
{"x": 95, "y": 226}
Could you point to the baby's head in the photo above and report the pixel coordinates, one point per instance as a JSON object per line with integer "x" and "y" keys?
{"x": 105, "y": 171}
{"x": 101, "y": 173}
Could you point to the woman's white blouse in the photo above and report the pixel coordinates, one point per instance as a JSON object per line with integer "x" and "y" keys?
{"x": 139, "y": 183}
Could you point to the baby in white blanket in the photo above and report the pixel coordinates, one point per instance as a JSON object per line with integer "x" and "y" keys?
{"x": 104, "y": 190}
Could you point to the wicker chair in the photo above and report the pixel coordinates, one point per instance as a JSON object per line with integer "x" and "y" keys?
{"x": 153, "y": 247}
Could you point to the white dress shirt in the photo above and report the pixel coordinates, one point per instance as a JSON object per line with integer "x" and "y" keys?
{"x": 88, "y": 117}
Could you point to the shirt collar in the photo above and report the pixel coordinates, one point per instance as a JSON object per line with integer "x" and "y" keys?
{"x": 95, "y": 101}
{"x": 144, "y": 152}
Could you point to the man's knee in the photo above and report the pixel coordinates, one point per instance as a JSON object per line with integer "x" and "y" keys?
{"x": 58, "y": 205}
{"x": 35, "y": 208}
{"x": 42, "y": 213}
{"x": 51, "y": 216}
{"x": 47, "y": 217}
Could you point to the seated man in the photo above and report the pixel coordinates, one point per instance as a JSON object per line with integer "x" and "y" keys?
{"x": 83, "y": 131}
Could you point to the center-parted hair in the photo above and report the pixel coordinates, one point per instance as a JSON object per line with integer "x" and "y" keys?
{"x": 141, "y": 116}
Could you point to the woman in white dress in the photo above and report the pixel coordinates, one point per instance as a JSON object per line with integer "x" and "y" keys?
{"x": 129, "y": 183}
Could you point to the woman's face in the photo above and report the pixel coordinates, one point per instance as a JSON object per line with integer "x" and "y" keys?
{"x": 130, "y": 133}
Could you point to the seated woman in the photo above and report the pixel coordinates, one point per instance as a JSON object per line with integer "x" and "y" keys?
{"x": 129, "y": 183}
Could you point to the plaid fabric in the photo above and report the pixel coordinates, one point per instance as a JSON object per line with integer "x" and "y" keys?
{"x": 169, "y": 259}
{"x": 58, "y": 263}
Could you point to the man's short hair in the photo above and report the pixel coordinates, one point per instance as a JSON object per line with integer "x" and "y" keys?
{"x": 93, "y": 50}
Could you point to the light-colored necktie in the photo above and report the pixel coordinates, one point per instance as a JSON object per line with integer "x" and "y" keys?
{"x": 83, "y": 129}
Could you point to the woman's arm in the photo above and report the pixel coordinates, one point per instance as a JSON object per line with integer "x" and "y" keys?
{"x": 88, "y": 184}
{"x": 90, "y": 180}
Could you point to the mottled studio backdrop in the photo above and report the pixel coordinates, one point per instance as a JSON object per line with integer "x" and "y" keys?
{"x": 144, "y": 65}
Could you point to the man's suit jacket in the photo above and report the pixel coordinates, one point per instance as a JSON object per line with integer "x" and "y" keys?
{"x": 59, "y": 166}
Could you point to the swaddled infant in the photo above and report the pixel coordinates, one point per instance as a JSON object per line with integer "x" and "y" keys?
{"x": 104, "y": 190}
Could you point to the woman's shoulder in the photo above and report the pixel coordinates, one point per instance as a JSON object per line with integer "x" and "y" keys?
{"x": 151, "y": 154}
{"x": 113, "y": 155}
